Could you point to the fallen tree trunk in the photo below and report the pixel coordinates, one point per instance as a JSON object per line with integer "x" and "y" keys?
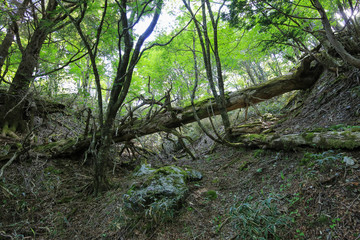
{"x": 322, "y": 140}
{"x": 302, "y": 78}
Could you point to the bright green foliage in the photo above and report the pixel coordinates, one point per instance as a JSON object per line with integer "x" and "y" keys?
{"x": 274, "y": 18}
{"x": 160, "y": 68}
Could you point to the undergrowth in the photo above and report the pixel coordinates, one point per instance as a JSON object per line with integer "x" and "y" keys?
{"x": 259, "y": 220}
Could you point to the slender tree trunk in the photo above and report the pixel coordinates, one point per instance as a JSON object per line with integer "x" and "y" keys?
{"x": 249, "y": 72}
{"x": 101, "y": 182}
{"x": 130, "y": 57}
{"x": 277, "y": 65}
{"x": 10, "y": 34}
{"x": 220, "y": 80}
{"x": 202, "y": 31}
{"x": 5, "y": 46}
{"x": 259, "y": 72}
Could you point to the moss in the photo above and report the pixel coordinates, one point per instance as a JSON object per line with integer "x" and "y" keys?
{"x": 52, "y": 170}
{"x": 244, "y": 166}
{"x": 322, "y": 143}
{"x": 347, "y": 144}
{"x": 309, "y": 136}
{"x": 249, "y": 125}
{"x": 199, "y": 103}
{"x": 355, "y": 129}
{"x": 211, "y": 195}
{"x": 56, "y": 146}
{"x": 337, "y": 127}
{"x": 157, "y": 193}
{"x": 322, "y": 219}
{"x": 349, "y": 136}
{"x": 254, "y": 137}
{"x": 167, "y": 170}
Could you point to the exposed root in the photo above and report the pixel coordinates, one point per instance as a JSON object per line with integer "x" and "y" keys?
{"x": 8, "y": 164}
{"x": 9, "y": 131}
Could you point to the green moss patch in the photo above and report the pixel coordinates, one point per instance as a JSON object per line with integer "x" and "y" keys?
{"x": 157, "y": 193}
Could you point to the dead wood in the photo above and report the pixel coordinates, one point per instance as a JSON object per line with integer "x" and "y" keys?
{"x": 323, "y": 140}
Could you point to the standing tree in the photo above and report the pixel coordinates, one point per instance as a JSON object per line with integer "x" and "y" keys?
{"x": 12, "y": 29}
{"x": 51, "y": 20}
{"x": 211, "y": 50}
{"x": 127, "y": 15}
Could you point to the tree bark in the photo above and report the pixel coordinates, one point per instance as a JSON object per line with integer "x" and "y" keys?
{"x": 15, "y": 99}
{"x": 5, "y": 46}
{"x": 12, "y": 118}
{"x": 337, "y": 45}
{"x": 202, "y": 31}
{"x": 12, "y": 29}
{"x": 247, "y": 65}
{"x": 323, "y": 140}
{"x": 128, "y": 58}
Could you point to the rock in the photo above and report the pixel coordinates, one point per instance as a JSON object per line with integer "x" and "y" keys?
{"x": 349, "y": 161}
{"x": 158, "y": 193}
{"x": 193, "y": 175}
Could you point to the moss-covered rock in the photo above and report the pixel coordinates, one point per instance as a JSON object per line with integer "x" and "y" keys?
{"x": 157, "y": 193}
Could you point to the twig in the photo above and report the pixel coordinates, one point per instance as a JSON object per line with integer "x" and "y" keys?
{"x": 8, "y": 163}
{"x": 224, "y": 223}
{"x": 18, "y": 104}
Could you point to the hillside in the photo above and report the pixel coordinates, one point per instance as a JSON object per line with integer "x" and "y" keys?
{"x": 199, "y": 119}
{"x": 303, "y": 193}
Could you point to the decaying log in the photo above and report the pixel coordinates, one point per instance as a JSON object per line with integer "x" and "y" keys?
{"x": 302, "y": 78}
{"x": 322, "y": 140}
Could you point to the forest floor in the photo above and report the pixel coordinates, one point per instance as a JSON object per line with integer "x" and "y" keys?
{"x": 302, "y": 193}
{"x": 315, "y": 192}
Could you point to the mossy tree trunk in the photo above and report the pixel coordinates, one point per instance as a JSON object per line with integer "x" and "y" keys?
{"x": 13, "y": 114}
{"x": 13, "y": 118}
{"x": 323, "y": 140}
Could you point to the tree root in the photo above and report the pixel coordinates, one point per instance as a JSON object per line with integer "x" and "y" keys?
{"x": 9, "y": 131}
{"x": 8, "y": 163}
